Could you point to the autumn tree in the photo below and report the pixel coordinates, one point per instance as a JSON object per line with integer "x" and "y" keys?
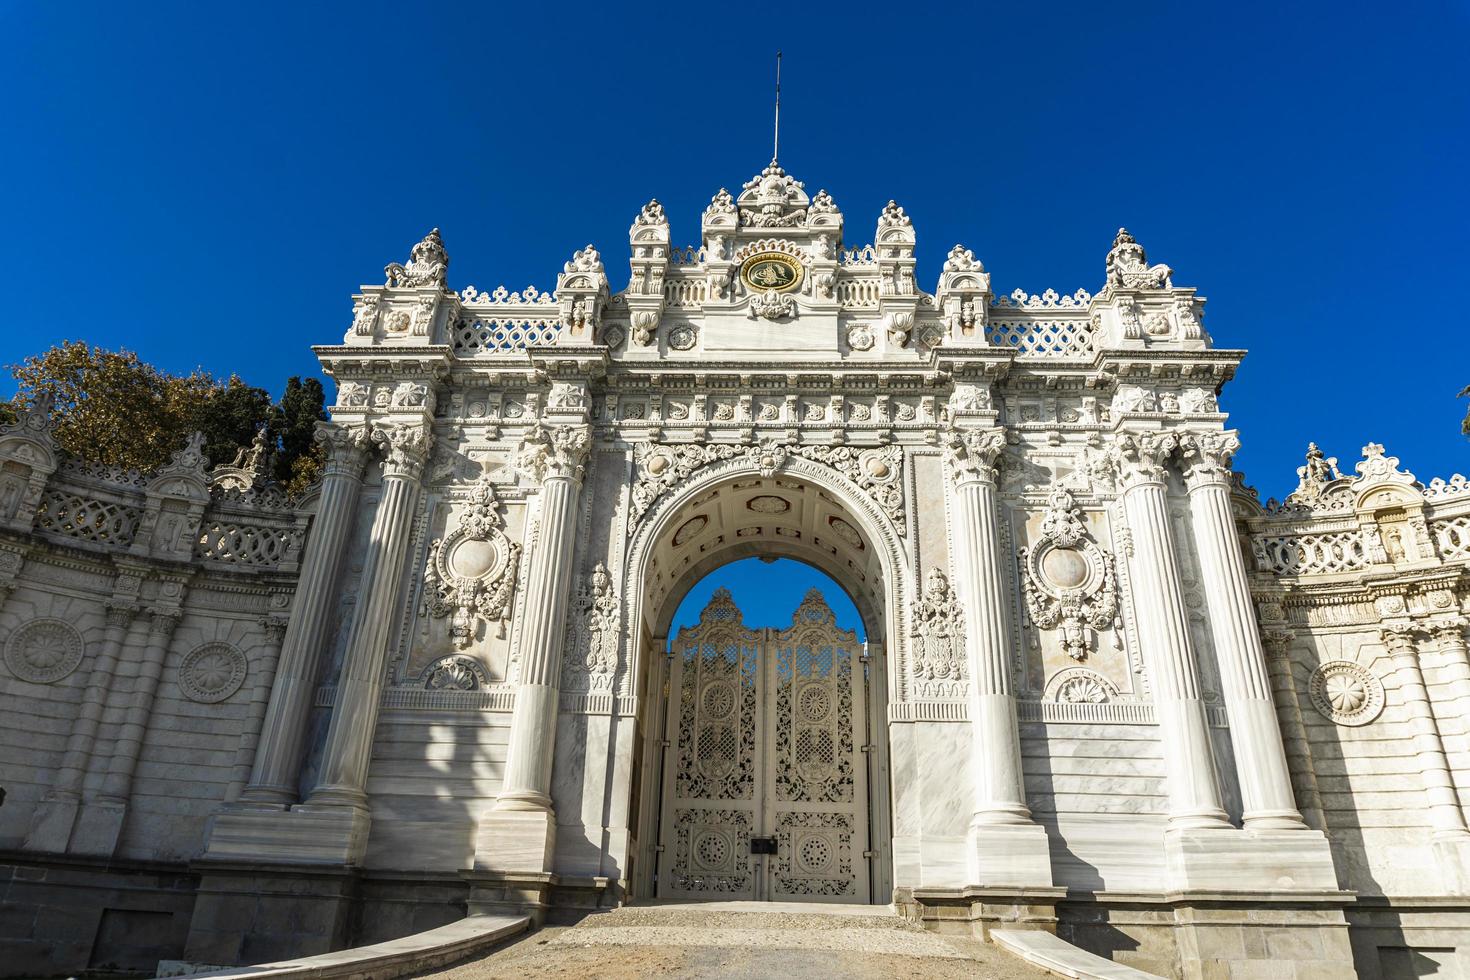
{"x": 113, "y": 408}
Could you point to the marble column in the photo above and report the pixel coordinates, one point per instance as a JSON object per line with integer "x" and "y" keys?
{"x": 1007, "y": 846}
{"x": 1255, "y": 737}
{"x": 342, "y": 779}
{"x": 277, "y": 758}
{"x": 518, "y": 835}
{"x": 1455, "y": 669}
{"x": 1445, "y": 816}
{"x": 1293, "y": 729}
{"x": 1163, "y": 633}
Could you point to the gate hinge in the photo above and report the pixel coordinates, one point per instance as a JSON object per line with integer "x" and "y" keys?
{"x": 664, "y": 743}
{"x": 866, "y": 854}
{"x": 865, "y": 748}
{"x": 659, "y": 849}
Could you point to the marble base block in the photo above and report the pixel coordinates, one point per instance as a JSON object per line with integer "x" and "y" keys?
{"x": 1453, "y": 857}
{"x": 515, "y": 841}
{"x": 1246, "y": 860}
{"x": 98, "y": 827}
{"x": 302, "y": 835}
{"x": 1010, "y": 855}
{"x": 51, "y": 826}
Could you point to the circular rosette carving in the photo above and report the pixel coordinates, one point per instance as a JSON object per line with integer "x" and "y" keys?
{"x": 455, "y": 673}
{"x": 44, "y": 651}
{"x": 683, "y": 337}
{"x": 212, "y": 673}
{"x": 1346, "y": 693}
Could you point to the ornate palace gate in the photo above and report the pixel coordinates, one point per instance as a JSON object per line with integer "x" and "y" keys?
{"x": 765, "y": 782}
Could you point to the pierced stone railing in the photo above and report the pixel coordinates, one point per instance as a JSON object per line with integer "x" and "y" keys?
{"x": 493, "y": 334}
{"x": 1043, "y": 338}
{"x": 1312, "y": 554}
{"x": 685, "y": 292}
{"x": 858, "y": 293}
{"x": 73, "y": 514}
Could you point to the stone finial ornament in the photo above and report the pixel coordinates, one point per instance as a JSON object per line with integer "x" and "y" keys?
{"x": 1127, "y": 266}
{"x": 428, "y": 263}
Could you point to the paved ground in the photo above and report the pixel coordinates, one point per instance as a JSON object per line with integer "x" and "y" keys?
{"x": 742, "y": 940}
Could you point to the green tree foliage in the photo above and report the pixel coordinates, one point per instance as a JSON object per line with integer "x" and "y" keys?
{"x": 112, "y": 407}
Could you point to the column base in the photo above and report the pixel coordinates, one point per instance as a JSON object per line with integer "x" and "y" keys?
{"x": 51, "y": 826}
{"x": 1249, "y": 860}
{"x": 1009, "y": 855}
{"x": 974, "y": 911}
{"x": 515, "y": 841}
{"x": 1452, "y": 854}
{"x": 1254, "y": 936}
{"x": 497, "y": 893}
{"x": 328, "y": 835}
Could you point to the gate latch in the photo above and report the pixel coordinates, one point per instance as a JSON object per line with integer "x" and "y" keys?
{"x": 763, "y": 845}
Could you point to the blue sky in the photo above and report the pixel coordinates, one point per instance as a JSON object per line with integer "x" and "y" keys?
{"x": 767, "y": 594}
{"x": 207, "y": 183}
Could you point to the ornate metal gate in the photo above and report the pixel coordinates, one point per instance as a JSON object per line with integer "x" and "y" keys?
{"x": 765, "y": 783}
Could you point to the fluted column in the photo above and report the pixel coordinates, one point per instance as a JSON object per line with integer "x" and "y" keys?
{"x": 117, "y": 784}
{"x": 1163, "y": 631}
{"x": 274, "y": 630}
{"x": 73, "y": 768}
{"x": 1006, "y": 847}
{"x": 1456, "y": 672}
{"x": 555, "y": 456}
{"x": 1000, "y": 796}
{"x": 1293, "y": 728}
{"x": 1255, "y": 737}
{"x": 1445, "y": 817}
{"x": 344, "y": 768}
{"x": 277, "y": 758}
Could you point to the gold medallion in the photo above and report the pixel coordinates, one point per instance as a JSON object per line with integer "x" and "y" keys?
{"x": 772, "y": 272}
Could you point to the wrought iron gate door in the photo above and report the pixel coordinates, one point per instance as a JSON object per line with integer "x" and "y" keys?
{"x": 765, "y": 783}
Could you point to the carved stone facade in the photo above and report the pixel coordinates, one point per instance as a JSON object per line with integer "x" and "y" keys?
{"x": 1104, "y": 688}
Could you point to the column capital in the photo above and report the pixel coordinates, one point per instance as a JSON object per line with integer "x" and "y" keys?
{"x": 1207, "y": 457}
{"x": 405, "y": 448}
{"x": 163, "y": 622}
{"x": 120, "y": 614}
{"x": 1449, "y": 630}
{"x": 1400, "y": 638}
{"x": 549, "y": 452}
{"x": 347, "y": 447}
{"x": 1143, "y": 455}
{"x": 971, "y": 453}
{"x": 274, "y": 628}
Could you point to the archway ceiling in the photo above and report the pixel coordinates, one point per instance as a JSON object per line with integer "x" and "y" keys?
{"x": 779, "y": 516}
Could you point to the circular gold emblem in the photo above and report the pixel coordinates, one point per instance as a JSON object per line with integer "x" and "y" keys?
{"x": 772, "y": 272}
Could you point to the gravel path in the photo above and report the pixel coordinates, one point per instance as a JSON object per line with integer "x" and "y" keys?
{"x": 684, "y": 941}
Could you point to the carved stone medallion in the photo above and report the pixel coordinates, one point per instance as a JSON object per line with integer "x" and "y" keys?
{"x": 44, "y": 651}
{"x": 1346, "y": 693}
{"x": 472, "y": 570}
{"x": 212, "y": 673}
{"x": 1068, "y": 581}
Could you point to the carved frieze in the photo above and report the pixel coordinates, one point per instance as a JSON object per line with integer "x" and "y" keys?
{"x": 939, "y": 631}
{"x": 592, "y": 635}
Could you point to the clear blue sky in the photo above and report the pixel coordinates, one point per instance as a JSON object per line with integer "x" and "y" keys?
{"x": 207, "y": 183}
{"x": 767, "y": 594}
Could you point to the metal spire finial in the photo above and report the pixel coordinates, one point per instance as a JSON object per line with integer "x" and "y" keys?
{"x": 776, "y": 146}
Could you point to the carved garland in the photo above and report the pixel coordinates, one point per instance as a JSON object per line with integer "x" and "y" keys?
{"x": 472, "y": 570}
{"x": 1068, "y": 581}
{"x": 592, "y": 635}
{"x": 939, "y": 631}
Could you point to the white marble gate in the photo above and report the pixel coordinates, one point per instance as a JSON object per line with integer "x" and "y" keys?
{"x": 765, "y": 783}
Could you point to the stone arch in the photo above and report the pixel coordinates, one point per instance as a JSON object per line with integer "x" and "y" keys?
{"x": 881, "y": 600}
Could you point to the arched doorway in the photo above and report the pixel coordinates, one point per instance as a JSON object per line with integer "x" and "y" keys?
{"x": 743, "y": 789}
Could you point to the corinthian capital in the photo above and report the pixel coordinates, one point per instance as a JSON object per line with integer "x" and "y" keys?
{"x": 405, "y": 448}
{"x": 1142, "y": 456}
{"x": 347, "y": 447}
{"x": 551, "y": 451}
{"x": 1400, "y": 639}
{"x": 1207, "y": 456}
{"x": 971, "y": 453}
